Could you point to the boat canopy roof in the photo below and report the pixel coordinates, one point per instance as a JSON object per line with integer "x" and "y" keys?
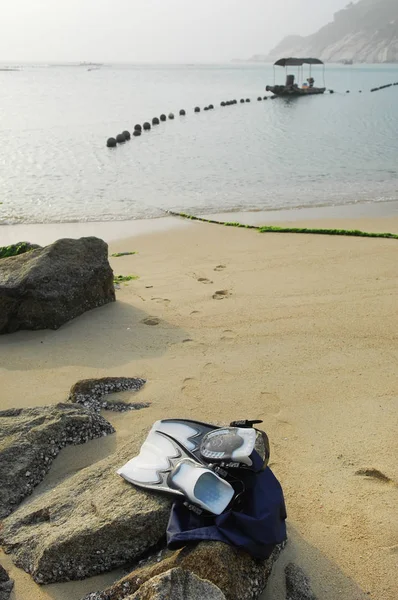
{"x": 297, "y": 62}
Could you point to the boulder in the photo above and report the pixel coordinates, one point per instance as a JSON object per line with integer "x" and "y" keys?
{"x": 6, "y": 584}
{"x": 31, "y": 438}
{"x": 92, "y": 393}
{"x": 46, "y": 287}
{"x": 297, "y": 584}
{"x": 231, "y": 570}
{"x": 91, "y": 523}
{"x": 178, "y": 585}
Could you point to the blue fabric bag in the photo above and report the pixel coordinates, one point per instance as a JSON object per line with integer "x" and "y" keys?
{"x": 256, "y": 527}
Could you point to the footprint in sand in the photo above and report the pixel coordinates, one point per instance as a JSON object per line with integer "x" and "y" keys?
{"x": 220, "y": 267}
{"x": 271, "y": 405}
{"x": 195, "y": 312}
{"x": 221, "y": 295}
{"x": 165, "y": 301}
{"x": 151, "y": 321}
{"x": 204, "y": 280}
{"x": 228, "y": 336}
{"x": 190, "y": 385}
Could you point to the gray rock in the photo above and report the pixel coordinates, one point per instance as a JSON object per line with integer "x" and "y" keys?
{"x": 6, "y": 589}
{"x": 6, "y": 584}
{"x": 178, "y": 585}
{"x": 235, "y": 573}
{"x": 46, "y": 287}
{"x": 31, "y": 438}
{"x": 91, "y": 523}
{"x": 297, "y": 584}
{"x": 91, "y": 393}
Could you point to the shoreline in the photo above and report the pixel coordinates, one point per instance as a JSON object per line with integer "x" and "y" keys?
{"x": 112, "y": 231}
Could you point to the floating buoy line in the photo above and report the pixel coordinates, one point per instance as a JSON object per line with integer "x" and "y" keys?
{"x": 125, "y": 136}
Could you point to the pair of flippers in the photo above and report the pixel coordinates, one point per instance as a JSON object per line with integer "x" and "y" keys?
{"x": 198, "y": 461}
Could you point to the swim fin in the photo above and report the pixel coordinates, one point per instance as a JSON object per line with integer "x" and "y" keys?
{"x": 163, "y": 464}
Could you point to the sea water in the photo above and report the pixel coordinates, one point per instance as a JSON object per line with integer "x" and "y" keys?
{"x": 331, "y": 150}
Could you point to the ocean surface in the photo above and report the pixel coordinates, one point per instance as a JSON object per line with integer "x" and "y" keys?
{"x": 326, "y": 150}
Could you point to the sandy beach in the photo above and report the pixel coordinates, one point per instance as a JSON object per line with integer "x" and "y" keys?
{"x": 297, "y": 330}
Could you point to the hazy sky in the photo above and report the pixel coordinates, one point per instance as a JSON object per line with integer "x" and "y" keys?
{"x": 153, "y": 30}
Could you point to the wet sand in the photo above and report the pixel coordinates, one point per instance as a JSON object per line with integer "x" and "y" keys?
{"x": 298, "y": 330}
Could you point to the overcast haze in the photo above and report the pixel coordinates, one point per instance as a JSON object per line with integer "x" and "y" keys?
{"x": 171, "y": 31}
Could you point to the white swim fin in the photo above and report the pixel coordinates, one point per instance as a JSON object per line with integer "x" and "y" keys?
{"x": 163, "y": 464}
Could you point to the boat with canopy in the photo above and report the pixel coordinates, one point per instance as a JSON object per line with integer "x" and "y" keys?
{"x": 302, "y": 88}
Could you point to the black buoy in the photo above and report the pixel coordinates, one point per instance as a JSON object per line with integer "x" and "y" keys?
{"x": 163, "y": 117}
{"x": 360, "y": 91}
{"x": 182, "y": 113}
{"x": 265, "y": 98}
{"x": 331, "y": 91}
{"x": 259, "y": 99}
{"x": 348, "y": 91}
{"x": 137, "y": 128}
{"x": 242, "y": 101}
{"x": 120, "y": 138}
{"x": 136, "y": 132}
{"x": 127, "y": 135}
{"x": 197, "y": 109}
{"x": 171, "y": 116}
{"x": 223, "y": 103}
{"x": 146, "y": 126}
{"x": 247, "y": 99}
{"x": 206, "y": 108}
{"x": 111, "y": 143}
{"x": 155, "y": 121}
{"x": 211, "y": 107}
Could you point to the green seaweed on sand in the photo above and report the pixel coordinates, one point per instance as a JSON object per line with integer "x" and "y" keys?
{"x": 124, "y": 278}
{"x": 117, "y": 254}
{"x": 274, "y": 229}
{"x": 16, "y": 249}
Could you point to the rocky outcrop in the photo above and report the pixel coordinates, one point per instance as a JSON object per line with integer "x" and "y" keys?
{"x": 178, "y": 585}
{"x": 92, "y": 393}
{"x": 46, "y": 287}
{"x": 91, "y": 523}
{"x": 6, "y": 584}
{"x": 31, "y": 438}
{"x": 232, "y": 571}
{"x": 297, "y": 584}
{"x": 364, "y": 32}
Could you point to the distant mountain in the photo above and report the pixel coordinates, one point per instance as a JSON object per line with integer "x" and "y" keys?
{"x": 365, "y": 32}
